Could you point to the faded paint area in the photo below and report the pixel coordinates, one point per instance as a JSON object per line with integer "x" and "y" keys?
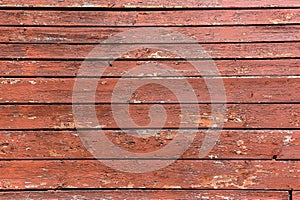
{"x": 255, "y": 46}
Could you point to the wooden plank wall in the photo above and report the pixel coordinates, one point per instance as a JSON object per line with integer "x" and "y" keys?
{"x": 255, "y": 45}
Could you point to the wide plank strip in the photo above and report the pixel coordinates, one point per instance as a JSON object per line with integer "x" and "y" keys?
{"x": 61, "y": 116}
{"x": 150, "y": 51}
{"x": 200, "y": 34}
{"x": 149, "y": 194}
{"x": 153, "y": 3}
{"x": 242, "y": 144}
{"x": 280, "y": 175}
{"x": 149, "y": 18}
{"x": 60, "y": 90}
{"x": 288, "y": 67}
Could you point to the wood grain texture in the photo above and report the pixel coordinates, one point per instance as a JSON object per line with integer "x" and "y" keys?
{"x": 150, "y": 51}
{"x": 286, "y": 67}
{"x": 61, "y": 116}
{"x": 152, "y": 4}
{"x": 200, "y": 34}
{"x": 150, "y": 90}
{"x": 242, "y": 144}
{"x": 148, "y": 194}
{"x": 149, "y": 18}
{"x": 281, "y": 175}
{"x": 254, "y": 44}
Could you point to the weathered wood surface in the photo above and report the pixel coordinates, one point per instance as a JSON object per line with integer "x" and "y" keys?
{"x": 148, "y": 194}
{"x": 197, "y": 174}
{"x": 239, "y": 144}
{"x": 153, "y": 3}
{"x": 149, "y": 18}
{"x": 284, "y": 67}
{"x": 254, "y": 44}
{"x": 154, "y": 51}
{"x": 61, "y": 116}
{"x": 54, "y": 90}
{"x": 200, "y": 34}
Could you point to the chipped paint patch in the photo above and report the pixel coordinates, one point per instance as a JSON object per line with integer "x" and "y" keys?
{"x": 287, "y": 140}
{"x": 11, "y": 81}
{"x": 32, "y": 82}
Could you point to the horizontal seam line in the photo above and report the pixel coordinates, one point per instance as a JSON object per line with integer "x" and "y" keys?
{"x": 143, "y": 59}
{"x": 120, "y": 129}
{"x": 140, "y": 26}
{"x": 118, "y": 44}
{"x": 144, "y": 8}
{"x": 136, "y": 189}
{"x": 147, "y": 103}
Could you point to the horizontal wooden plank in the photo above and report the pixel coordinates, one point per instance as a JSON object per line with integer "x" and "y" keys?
{"x": 200, "y": 34}
{"x": 288, "y": 67}
{"x": 263, "y": 144}
{"x": 147, "y": 51}
{"x": 281, "y": 175}
{"x": 153, "y": 4}
{"x": 149, "y": 18}
{"x": 61, "y": 116}
{"x": 149, "y": 90}
{"x": 148, "y": 194}
{"x": 296, "y": 195}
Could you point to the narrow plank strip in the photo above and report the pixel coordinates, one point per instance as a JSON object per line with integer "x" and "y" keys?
{"x": 181, "y": 174}
{"x": 148, "y": 18}
{"x": 200, "y": 34}
{"x": 149, "y": 194}
{"x": 231, "y": 144}
{"x": 61, "y": 116}
{"x": 147, "y": 51}
{"x": 153, "y": 4}
{"x": 289, "y": 67}
{"x": 148, "y": 90}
